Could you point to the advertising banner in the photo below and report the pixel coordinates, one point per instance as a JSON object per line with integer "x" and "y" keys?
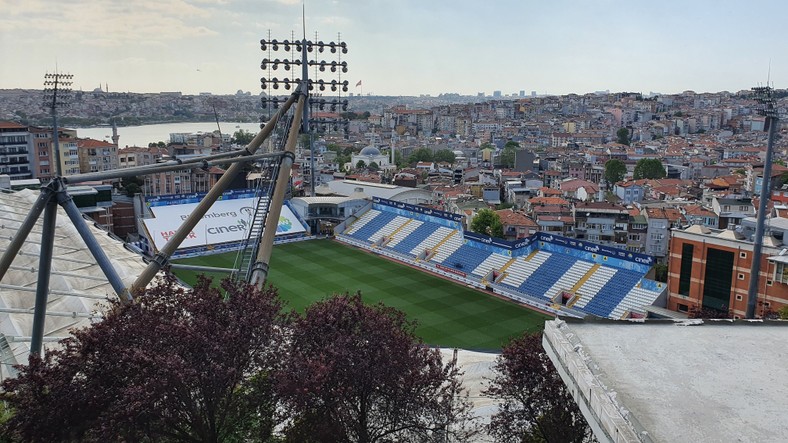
{"x": 418, "y": 209}
{"x": 226, "y": 221}
{"x": 195, "y": 197}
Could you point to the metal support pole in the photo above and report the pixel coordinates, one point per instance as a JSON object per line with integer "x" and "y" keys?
{"x": 102, "y": 260}
{"x": 56, "y": 137}
{"x": 260, "y": 268}
{"x": 42, "y": 286}
{"x": 161, "y": 258}
{"x": 312, "y": 161}
{"x": 151, "y": 169}
{"x": 752, "y": 293}
{"x": 27, "y": 225}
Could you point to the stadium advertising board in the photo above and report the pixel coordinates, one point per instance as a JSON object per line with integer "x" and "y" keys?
{"x": 226, "y": 221}
{"x": 613, "y": 256}
{"x": 418, "y": 209}
{"x": 195, "y": 197}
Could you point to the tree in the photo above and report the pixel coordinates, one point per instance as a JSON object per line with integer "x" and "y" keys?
{"x": 487, "y": 222}
{"x": 535, "y": 404}
{"x": 242, "y": 137}
{"x": 615, "y": 171}
{"x": 361, "y": 164}
{"x": 177, "y": 365}
{"x": 661, "y": 272}
{"x": 507, "y": 156}
{"x": 622, "y": 136}
{"x": 649, "y": 168}
{"x": 358, "y": 373}
{"x": 445, "y": 155}
{"x": 421, "y": 155}
{"x": 373, "y": 166}
{"x": 132, "y": 189}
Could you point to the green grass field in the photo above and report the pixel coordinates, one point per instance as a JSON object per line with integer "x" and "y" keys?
{"x": 448, "y": 314}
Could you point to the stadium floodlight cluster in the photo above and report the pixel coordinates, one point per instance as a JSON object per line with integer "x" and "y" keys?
{"x": 57, "y": 94}
{"x": 325, "y": 78}
{"x": 57, "y": 90}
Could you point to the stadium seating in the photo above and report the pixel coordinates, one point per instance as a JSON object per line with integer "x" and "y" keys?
{"x": 466, "y": 258}
{"x": 635, "y": 300}
{"x": 362, "y": 221}
{"x": 431, "y": 241}
{"x": 592, "y": 286}
{"x": 552, "y": 269}
{"x": 452, "y": 243}
{"x": 404, "y": 232}
{"x": 570, "y": 278}
{"x": 388, "y": 228}
{"x": 493, "y": 261}
{"x": 611, "y": 294}
{"x": 602, "y": 290}
{"x": 523, "y": 268}
{"x": 372, "y": 226}
{"x": 406, "y": 245}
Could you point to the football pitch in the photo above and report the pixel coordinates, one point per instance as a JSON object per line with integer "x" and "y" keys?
{"x": 448, "y": 314}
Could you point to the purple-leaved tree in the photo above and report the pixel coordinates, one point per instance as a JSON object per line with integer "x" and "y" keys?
{"x": 178, "y": 365}
{"x": 535, "y": 405}
{"x": 358, "y": 373}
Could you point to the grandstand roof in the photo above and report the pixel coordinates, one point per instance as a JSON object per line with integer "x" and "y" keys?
{"x": 77, "y": 286}
{"x": 390, "y": 192}
{"x": 690, "y": 380}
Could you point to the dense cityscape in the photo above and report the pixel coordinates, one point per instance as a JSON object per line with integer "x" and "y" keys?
{"x": 642, "y": 186}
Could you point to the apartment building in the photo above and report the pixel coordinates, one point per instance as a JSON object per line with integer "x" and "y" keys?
{"x": 710, "y": 268}
{"x": 15, "y": 143}
{"x": 96, "y": 155}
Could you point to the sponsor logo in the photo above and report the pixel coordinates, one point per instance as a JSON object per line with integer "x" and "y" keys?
{"x": 451, "y": 270}
{"x": 284, "y": 224}
{"x": 646, "y": 260}
{"x": 561, "y": 241}
{"x": 547, "y": 237}
{"x": 247, "y": 210}
{"x": 401, "y": 205}
{"x": 592, "y": 248}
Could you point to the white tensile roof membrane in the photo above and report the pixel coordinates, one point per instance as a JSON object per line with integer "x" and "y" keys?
{"x": 77, "y": 286}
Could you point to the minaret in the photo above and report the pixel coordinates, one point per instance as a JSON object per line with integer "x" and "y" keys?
{"x": 115, "y": 136}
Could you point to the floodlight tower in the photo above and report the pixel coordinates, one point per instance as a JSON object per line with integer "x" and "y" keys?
{"x": 763, "y": 94}
{"x": 57, "y": 93}
{"x": 258, "y": 272}
{"x": 327, "y": 77}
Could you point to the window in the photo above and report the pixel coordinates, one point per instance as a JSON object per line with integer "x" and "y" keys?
{"x": 682, "y": 307}
{"x": 742, "y": 255}
{"x": 738, "y": 297}
{"x": 740, "y": 276}
{"x": 686, "y": 268}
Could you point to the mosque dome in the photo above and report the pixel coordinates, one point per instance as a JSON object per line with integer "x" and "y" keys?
{"x": 370, "y": 151}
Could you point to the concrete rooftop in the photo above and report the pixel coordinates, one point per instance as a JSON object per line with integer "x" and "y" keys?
{"x": 666, "y": 381}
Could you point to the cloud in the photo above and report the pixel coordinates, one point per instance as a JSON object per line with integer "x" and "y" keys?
{"x": 108, "y": 22}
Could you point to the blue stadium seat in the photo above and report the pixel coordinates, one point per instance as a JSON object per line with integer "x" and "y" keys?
{"x": 416, "y": 237}
{"x": 546, "y": 275}
{"x": 466, "y": 258}
{"x": 374, "y": 225}
{"x": 612, "y": 293}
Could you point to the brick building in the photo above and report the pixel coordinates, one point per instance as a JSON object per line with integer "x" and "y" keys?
{"x": 710, "y": 268}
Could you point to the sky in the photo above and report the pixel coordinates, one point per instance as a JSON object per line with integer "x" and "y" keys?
{"x": 402, "y": 47}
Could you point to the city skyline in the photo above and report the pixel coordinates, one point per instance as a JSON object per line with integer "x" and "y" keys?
{"x": 407, "y": 48}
